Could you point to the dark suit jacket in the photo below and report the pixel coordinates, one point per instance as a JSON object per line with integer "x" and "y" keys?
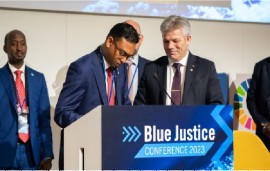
{"x": 39, "y": 116}
{"x": 141, "y": 63}
{"x": 85, "y": 88}
{"x": 258, "y": 96}
{"x": 201, "y": 83}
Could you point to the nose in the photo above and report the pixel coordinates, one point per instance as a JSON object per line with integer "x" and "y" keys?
{"x": 123, "y": 60}
{"x": 170, "y": 45}
{"x": 19, "y": 47}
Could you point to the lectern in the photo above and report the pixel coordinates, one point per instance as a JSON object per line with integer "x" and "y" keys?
{"x": 151, "y": 138}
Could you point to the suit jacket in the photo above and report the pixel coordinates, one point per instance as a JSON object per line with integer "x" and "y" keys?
{"x": 201, "y": 83}
{"x": 258, "y": 96}
{"x": 85, "y": 88}
{"x": 141, "y": 63}
{"x": 39, "y": 116}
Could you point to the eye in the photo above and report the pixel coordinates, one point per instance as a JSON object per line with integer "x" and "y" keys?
{"x": 122, "y": 53}
{"x": 175, "y": 41}
{"x": 13, "y": 43}
{"x": 165, "y": 41}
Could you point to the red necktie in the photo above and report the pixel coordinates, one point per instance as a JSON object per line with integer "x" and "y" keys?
{"x": 21, "y": 100}
{"x": 111, "y": 95}
{"x": 176, "y": 85}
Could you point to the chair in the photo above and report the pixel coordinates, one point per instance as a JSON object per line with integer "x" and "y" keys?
{"x": 249, "y": 152}
{"x": 224, "y": 83}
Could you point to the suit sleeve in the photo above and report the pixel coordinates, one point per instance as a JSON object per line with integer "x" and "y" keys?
{"x": 251, "y": 100}
{"x": 214, "y": 94}
{"x": 140, "y": 96}
{"x": 44, "y": 120}
{"x": 70, "y": 96}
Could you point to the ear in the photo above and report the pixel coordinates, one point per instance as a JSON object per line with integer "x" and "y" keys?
{"x": 141, "y": 39}
{"x": 188, "y": 38}
{"x": 5, "y": 48}
{"x": 109, "y": 41}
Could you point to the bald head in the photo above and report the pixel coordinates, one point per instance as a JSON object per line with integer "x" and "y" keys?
{"x": 137, "y": 27}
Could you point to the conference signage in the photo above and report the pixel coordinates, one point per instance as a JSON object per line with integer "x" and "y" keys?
{"x": 167, "y": 138}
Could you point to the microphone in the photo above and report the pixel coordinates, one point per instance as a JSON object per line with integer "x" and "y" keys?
{"x": 162, "y": 86}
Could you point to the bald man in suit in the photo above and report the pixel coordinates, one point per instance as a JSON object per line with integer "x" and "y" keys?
{"x": 135, "y": 64}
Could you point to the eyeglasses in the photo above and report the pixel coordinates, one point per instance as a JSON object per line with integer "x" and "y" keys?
{"x": 122, "y": 52}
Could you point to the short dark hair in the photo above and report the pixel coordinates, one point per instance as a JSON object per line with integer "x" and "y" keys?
{"x": 124, "y": 30}
{"x": 12, "y": 33}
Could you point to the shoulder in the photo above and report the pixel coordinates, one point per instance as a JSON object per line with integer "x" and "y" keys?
{"x": 265, "y": 61}
{"x": 35, "y": 76}
{"x": 3, "y": 68}
{"x": 88, "y": 58}
{"x": 160, "y": 62}
{"x": 33, "y": 72}
{"x": 200, "y": 60}
{"x": 142, "y": 59}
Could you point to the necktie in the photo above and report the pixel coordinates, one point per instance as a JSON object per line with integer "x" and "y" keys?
{"x": 111, "y": 94}
{"x": 130, "y": 85}
{"x": 176, "y": 85}
{"x": 21, "y": 101}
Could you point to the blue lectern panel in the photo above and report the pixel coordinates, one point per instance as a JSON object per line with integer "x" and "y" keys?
{"x": 167, "y": 137}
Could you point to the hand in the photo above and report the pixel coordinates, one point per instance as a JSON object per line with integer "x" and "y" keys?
{"x": 266, "y": 129}
{"x": 45, "y": 164}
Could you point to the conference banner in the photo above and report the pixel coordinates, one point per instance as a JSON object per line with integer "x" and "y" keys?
{"x": 167, "y": 138}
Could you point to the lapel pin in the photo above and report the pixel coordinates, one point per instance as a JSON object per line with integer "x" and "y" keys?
{"x": 193, "y": 66}
{"x": 32, "y": 74}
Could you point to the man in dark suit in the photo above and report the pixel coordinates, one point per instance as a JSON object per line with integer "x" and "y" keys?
{"x": 87, "y": 85}
{"x": 258, "y": 100}
{"x": 188, "y": 79}
{"x": 135, "y": 65}
{"x": 25, "y": 131}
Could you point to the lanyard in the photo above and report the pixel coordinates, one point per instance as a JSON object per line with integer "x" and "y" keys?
{"x": 18, "y": 99}
{"x": 133, "y": 77}
{"x": 113, "y": 75}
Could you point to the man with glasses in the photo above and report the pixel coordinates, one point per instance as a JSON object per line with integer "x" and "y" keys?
{"x": 97, "y": 78}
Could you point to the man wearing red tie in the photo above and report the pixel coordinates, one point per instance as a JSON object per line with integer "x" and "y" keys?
{"x": 98, "y": 78}
{"x": 25, "y": 131}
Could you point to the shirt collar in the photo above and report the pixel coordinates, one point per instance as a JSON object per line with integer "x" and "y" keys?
{"x": 183, "y": 61}
{"x": 13, "y": 69}
{"x": 135, "y": 59}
